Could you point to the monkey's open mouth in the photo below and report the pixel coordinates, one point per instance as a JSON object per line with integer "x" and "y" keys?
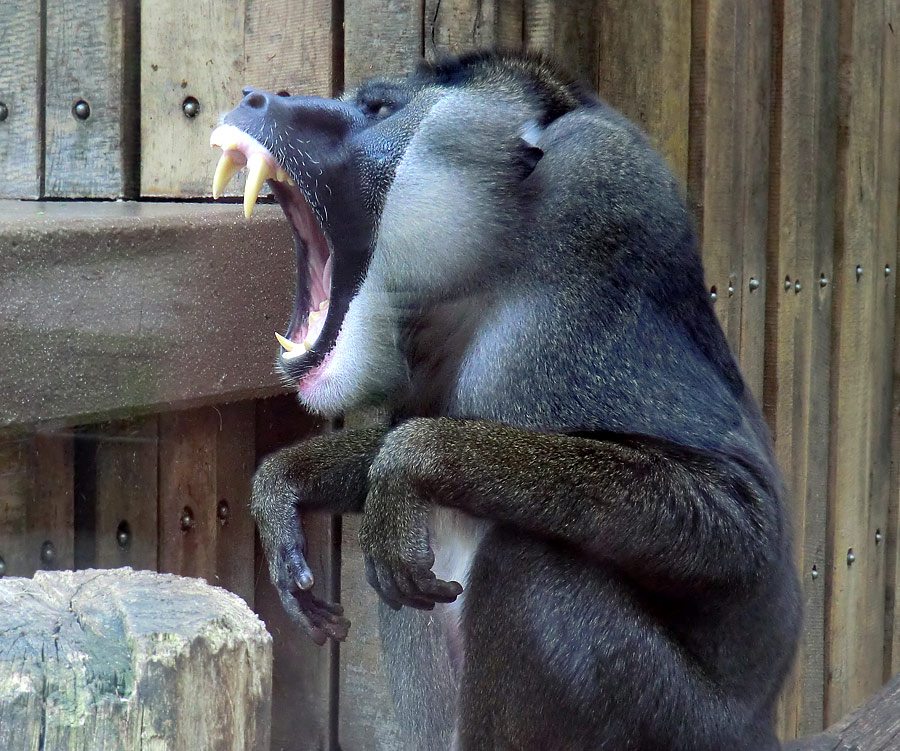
{"x": 314, "y": 257}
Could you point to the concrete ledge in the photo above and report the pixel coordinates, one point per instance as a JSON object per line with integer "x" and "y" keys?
{"x": 112, "y": 307}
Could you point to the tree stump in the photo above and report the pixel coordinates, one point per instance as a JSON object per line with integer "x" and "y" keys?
{"x": 126, "y": 660}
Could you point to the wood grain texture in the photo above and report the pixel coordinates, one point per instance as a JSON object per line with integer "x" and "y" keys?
{"x": 569, "y": 31}
{"x": 91, "y": 57}
{"x": 126, "y": 660}
{"x": 644, "y": 70}
{"x": 801, "y": 238}
{"x": 21, "y": 82}
{"x": 304, "y": 713}
{"x": 381, "y": 38}
{"x": 117, "y": 492}
{"x": 208, "y": 35}
{"x": 454, "y": 27}
{"x": 858, "y": 498}
{"x": 728, "y": 165}
{"x": 36, "y": 501}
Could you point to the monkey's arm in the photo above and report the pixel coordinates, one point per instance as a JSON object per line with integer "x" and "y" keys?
{"x": 672, "y": 518}
{"x": 326, "y": 473}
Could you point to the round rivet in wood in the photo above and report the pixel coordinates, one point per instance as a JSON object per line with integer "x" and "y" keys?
{"x": 851, "y": 556}
{"x": 48, "y": 552}
{"x": 887, "y": 269}
{"x": 190, "y": 106}
{"x": 4, "y": 111}
{"x": 797, "y": 286}
{"x": 123, "y": 535}
{"x": 753, "y": 284}
{"x": 787, "y": 284}
{"x": 2, "y": 566}
{"x": 730, "y": 289}
{"x": 187, "y": 519}
{"x": 81, "y": 110}
{"x": 878, "y": 536}
{"x": 859, "y": 270}
{"x": 815, "y": 572}
{"x": 713, "y": 294}
{"x": 823, "y": 281}
{"x": 223, "y": 512}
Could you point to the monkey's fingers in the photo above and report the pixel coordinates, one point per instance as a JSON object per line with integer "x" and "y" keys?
{"x": 300, "y": 572}
{"x": 383, "y": 580}
{"x": 320, "y": 620}
{"x": 429, "y": 587}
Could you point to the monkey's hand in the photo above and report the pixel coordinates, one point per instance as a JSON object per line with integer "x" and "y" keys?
{"x": 394, "y": 540}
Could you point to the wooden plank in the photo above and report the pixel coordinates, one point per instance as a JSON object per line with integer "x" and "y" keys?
{"x": 568, "y": 31}
{"x": 862, "y": 331}
{"x": 176, "y": 159}
{"x": 36, "y": 502}
{"x": 382, "y": 38}
{"x": 304, "y": 685}
{"x": 116, "y": 494}
{"x": 92, "y": 48}
{"x": 235, "y": 533}
{"x": 464, "y": 25}
{"x": 367, "y": 720}
{"x": 187, "y": 493}
{"x": 21, "y": 99}
{"x": 801, "y": 238}
{"x": 727, "y": 165}
{"x": 644, "y": 69}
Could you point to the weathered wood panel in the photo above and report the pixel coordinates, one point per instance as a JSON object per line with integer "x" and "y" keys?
{"x": 644, "y": 69}
{"x": 304, "y": 679}
{"x": 858, "y": 502}
{"x": 116, "y": 495}
{"x": 381, "y": 38}
{"x": 21, "y": 99}
{"x": 568, "y": 31}
{"x": 36, "y": 502}
{"x": 801, "y": 238}
{"x": 728, "y": 165}
{"x": 91, "y": 150}
{"x": 461, "y": 26}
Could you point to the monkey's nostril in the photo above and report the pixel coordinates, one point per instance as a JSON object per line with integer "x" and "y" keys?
{"x": 256, "y": 100}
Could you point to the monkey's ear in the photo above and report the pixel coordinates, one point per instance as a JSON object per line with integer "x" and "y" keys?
{"x": 529, "y": 151}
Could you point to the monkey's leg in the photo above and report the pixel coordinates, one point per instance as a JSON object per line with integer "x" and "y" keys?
{"x": 562, "y": 654}
{"x": 326, "y": 473}
{"x": 673, "y": 518}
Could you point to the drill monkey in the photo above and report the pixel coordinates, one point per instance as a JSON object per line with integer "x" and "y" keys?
{"x": 575, "y": 479}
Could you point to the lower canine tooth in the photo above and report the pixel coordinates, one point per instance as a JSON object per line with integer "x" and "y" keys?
{"x": 225, "y": 170}
{"x": 258, "y": 170}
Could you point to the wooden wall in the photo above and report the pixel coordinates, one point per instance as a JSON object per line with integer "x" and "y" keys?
{"x": 781, "y": 117}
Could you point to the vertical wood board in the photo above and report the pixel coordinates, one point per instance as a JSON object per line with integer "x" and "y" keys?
{"x": 568, "y": 31}
{"x": 465, "y": 25}
{"x": 92, "y": 58}
{"x": 21, "y": 98}
{"x": 381, "y": 38}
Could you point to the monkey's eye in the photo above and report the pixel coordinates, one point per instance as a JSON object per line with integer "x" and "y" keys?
{"x": 378, "y": 110}
{"x": 384, "y": 111}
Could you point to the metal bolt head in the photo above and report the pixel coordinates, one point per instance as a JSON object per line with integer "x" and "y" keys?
{"x": 2, "y": 567}
{"x": 48, "y": 552}
{"x": 787, "y": 284}
{"x": 730, "y": 289}
{"x": 191, "y": 107}
{"x": 878, "y": 536}
{"x": 81, "y": 110}
{"x": 713, "y": 295}
{"x": 887, "y": 268}
{"x": 223, "y": 512}
{"x": 815, "y": 572}
{"x": 187, "y": 519}
{"x": 753, "y": 284}
{"x": 823, "y": 281}
{"x": 123, "y": 535}
{"x": 850, "y": 556}
{"x": 797, "y": 286}
{"x": 4, "y": 111}
{"x": 859, "y": 270}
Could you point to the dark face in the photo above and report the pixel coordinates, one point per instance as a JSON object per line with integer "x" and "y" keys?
{"x": 329, "y": 163}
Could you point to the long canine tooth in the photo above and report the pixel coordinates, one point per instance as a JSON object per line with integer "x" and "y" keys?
{"x": 225, "y": 170}
{"x": 286, "y": 344}
{"x": 258, "y": 171}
